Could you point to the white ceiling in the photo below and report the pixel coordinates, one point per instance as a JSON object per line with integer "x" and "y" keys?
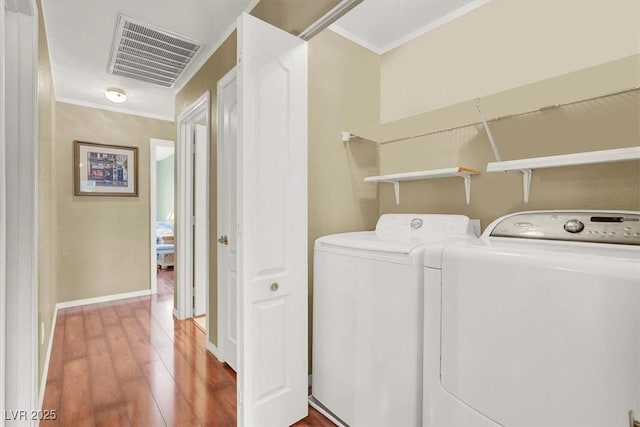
{"x": 80, "y": 36}
{"x": 382, "y": 25}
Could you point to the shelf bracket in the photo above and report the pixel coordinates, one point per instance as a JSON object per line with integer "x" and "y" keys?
{"x": 467, "y": 187}
{"x": 526, "y": 183}
{"x": 396, "y": 190}
{"x": 346, "y": 136}
{"x": 488, "y": 130}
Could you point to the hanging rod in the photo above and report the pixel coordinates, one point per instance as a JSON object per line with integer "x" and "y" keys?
{"x": 509, "y": 116}
{"x": 329, "y": 18}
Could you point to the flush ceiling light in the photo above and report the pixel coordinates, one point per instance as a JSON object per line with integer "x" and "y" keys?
{"x": 115, "y": 94}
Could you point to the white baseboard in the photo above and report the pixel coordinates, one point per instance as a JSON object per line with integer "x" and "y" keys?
{"x": 214, "y": 350}
{"x": 176, "y": 314}
{"x": 106, "y": 298}
{"x": 45, "y": 371}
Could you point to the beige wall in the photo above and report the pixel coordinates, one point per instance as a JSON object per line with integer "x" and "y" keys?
{"x": 46, "y": 267}
{"x": 344, "y": 89}
{"x": 102, "y": 244}
{"x": 343, "y": 94}
{"x": 292, "y": 16}
{"x": 502, "y": 45}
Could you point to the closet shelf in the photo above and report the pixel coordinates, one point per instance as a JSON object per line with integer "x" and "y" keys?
{"x": 526, "y": 166}
{"x": 395, "y": 179}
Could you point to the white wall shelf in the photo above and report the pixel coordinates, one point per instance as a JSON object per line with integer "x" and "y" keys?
{"x": 526, "y": 166}
{"x": 395, "y": 179}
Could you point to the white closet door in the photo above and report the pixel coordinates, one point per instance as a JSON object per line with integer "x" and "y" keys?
{"x": 272, "y": 225}
{"x": 227, "y": 218}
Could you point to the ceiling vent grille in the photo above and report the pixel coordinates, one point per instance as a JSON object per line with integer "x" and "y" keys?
{"x": 143, "y": 52}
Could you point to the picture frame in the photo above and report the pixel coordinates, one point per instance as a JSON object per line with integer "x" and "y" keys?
{"x": 105, "y": 170}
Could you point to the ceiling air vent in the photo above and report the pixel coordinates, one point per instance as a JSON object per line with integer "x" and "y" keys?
{"x": 143, "y": 52}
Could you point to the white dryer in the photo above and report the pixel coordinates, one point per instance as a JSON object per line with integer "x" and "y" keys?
{"x": 535, "y": 324}
{"x": 368, "y": 318}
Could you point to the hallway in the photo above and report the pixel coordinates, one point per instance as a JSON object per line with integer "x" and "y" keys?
{"x": 130, "y": 363}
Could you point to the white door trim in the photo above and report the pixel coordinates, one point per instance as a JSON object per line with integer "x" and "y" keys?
{"x": 201, "y": 136}
{"x": 222, "y": 306}
{"x": 19, "y": 191}
{"x": 153, "y": 144}
{"x": 3, "y": 214}
{"x": 184, "y": 202}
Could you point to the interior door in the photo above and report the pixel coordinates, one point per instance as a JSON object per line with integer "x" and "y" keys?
{"x": 272, "y": 225}
{"x": 200, "y": 233}
{"x": 227, "y": 218}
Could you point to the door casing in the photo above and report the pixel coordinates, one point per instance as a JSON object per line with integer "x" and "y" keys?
{"x": 201, "y": 236}
{"x": 154, "y": 143}
{"x": 184, "y": 202}
{"x": 18, "y": 209}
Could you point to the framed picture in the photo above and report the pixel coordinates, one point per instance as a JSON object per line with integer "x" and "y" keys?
{"x": 105, "y": 170}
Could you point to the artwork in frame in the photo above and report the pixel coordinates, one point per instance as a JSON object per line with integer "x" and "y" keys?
{"x": 105, "y": 170}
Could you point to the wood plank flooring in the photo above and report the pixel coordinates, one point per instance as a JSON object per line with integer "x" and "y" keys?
{"x": 131, "y": 363}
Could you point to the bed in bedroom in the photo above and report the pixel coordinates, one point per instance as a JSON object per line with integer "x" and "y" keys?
{"x": 164, "y": 244}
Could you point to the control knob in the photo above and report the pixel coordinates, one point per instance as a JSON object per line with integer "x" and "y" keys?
{"x": 574, "y": 226}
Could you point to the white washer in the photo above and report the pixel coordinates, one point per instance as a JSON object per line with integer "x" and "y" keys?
{"x": 368, "y": 318}
{"x": 535, "y": 324}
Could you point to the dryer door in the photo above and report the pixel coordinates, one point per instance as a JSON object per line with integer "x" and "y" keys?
{"x": 531, "y": 337}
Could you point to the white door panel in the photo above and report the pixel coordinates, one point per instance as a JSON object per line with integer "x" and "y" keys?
{"x": 272, "y": 212}
{"x": 227, "y": 216}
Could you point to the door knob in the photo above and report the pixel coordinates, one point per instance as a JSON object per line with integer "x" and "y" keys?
{"x": 274, "y": 286}
{"x": 224, "y": 240}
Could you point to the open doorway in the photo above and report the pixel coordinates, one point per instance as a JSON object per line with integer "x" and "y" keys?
{"x": 192, "y": 213}
{"x": 162, "y": 214}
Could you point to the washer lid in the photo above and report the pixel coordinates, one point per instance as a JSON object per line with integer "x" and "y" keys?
{"x": 369, "y": 241}
{"x": 435, "y": 254}
{"x": 403, "y": 233}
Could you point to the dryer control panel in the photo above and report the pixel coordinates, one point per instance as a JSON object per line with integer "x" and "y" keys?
{"x": 620, "y": 227}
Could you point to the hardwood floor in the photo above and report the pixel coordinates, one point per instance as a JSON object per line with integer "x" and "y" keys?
{"x": 131, "y": 363}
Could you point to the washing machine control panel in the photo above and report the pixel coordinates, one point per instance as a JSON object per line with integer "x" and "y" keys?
{"x": 580, "y": 226}
{"x": 424, "y": 227}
